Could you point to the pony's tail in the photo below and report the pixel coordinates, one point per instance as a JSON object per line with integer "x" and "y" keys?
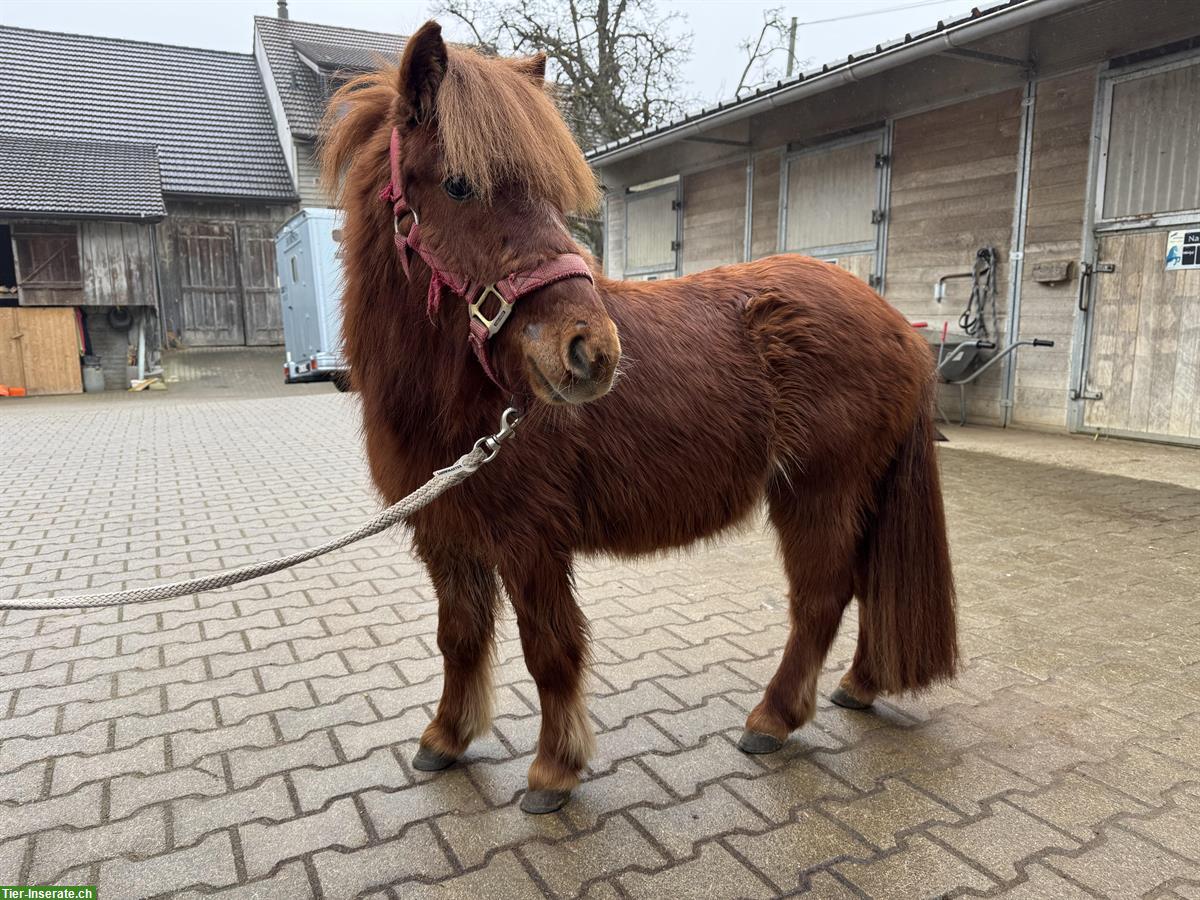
{"x": 906, "y": 587}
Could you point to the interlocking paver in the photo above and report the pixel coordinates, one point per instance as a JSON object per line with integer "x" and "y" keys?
{"x": 290, "y": 882}
{"x": 265, "y": 845}
{"x": 145, "y": 758}
{"x": 1108, "y": 866}
{"x": 615, "y": 846}
{"x": 266, "y": 802}
{"x": 81, "y": 810}
{"x": 132, "y": 792}
{"x": 210, "y": 863}
{"x": 246, "y": 743}
{"x": 58, "y": 850}
{"x": 316, "y": 786}
{"x": 249, "y": 764}
{"x": 715, "y": 875}
{"x": 189, "y": 746}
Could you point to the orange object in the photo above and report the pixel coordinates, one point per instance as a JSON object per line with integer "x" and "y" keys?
{"x": 3, "y": 391}
{"x": 16, "y": 392}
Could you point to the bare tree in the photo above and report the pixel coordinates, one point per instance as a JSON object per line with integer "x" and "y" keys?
{"x": 770, "y": 54}
{"x": 617, "y": 63}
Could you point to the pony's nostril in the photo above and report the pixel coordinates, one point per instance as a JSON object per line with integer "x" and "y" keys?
{"x": 577, "y": 358}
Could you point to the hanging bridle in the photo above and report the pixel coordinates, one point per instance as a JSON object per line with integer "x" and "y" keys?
{"x": 507, "y": 291}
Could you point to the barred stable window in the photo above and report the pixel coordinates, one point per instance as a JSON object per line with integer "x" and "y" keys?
{"x": 830, "y": 196}
{"x": 652, "y": 230}
{"x": 1153, "y": 151}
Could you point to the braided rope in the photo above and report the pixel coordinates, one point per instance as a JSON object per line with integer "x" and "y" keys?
{"x": 442, "y": 480}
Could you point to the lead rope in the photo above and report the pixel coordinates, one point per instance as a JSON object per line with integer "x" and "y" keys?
{"x": 484, "y": 451}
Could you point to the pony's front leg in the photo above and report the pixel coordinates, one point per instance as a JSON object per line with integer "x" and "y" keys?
{"x": 554, "y": 639}
{"x": 467, "y": 599}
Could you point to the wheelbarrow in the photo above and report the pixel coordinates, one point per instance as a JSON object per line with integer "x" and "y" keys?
{"x": 961, "y": 362}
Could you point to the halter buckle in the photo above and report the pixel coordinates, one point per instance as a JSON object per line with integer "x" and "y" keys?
{"x": 501, "y": 315}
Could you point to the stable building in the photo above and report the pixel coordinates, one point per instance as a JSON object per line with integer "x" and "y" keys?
{"x": 1060, "y": 136}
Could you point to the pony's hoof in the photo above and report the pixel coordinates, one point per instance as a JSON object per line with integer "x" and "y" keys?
{"x": 757, "y": 742}
{"x": 538, "y": 803}
{"x": 846, "y": 700}
{"x": 430, "y": 760}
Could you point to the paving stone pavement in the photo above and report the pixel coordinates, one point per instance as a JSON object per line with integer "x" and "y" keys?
{"x": 255, "y": 742}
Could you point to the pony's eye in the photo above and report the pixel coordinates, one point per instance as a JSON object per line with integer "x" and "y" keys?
{"x": 457, "y": 188}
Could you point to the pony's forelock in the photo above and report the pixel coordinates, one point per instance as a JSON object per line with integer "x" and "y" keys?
{"x": 497, "y": 127}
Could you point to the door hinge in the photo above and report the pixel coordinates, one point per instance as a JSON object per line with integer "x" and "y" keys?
{"x": 1105, "y": 268}
{"x": 675, "y": 245}
{"x": 874, "y": 281}
{"x": 877, "y": 216}
{"x": 676, "y": 205}
{"x": 881, "y": 160}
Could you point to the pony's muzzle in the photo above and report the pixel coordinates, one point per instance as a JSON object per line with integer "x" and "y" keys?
{"x": 570, "y": 344}
{"x": 590, "y": 354}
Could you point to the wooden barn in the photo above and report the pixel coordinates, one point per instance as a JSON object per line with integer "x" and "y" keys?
{"x": 1063, "y": 136}
{"x": 143, "y": 185}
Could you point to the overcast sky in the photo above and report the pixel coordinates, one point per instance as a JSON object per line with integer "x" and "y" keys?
{"x": 717, "y": 25}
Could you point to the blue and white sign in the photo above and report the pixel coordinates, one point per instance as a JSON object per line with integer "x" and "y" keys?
{"x": 1183, "y": 250}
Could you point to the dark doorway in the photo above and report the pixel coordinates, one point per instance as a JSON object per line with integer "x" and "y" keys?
{"x": 8, "y": 269}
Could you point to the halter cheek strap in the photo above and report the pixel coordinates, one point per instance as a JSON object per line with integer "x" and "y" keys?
{"x": 500, "y": 296}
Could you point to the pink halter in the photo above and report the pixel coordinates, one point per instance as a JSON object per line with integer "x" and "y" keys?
{"x": 507, "y": 291}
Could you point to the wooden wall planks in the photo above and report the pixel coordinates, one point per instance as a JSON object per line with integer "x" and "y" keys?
{"x": 1062, "y": 129}
{"x": 953, "y": 190}
{"x": 714, "y": 217}
{"x": 39, "y": 350}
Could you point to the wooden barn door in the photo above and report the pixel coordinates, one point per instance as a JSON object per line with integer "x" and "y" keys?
{"x": 1141, "y": 363}
{"x": 256, "y": 256}
{"x": 211, "y": 295}
{"x": 1144, "y": 364}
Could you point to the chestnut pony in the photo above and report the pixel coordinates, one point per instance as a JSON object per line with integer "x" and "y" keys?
{"x": 655, "y": 414}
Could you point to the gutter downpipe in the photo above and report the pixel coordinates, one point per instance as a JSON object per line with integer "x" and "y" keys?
{"x": 952, "y": 37}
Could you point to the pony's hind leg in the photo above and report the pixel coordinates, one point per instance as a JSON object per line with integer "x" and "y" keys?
{"x": 554, "y": 639}
{"x": 467, "y": 598}
{"x": 816, "y": 541}
{"x": 857, "y": 689}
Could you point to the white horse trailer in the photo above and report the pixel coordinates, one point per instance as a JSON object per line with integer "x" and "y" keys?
{"x": 310, "y": 289}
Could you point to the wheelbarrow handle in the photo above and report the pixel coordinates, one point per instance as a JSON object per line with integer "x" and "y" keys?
{"x": 1039, "y": 342}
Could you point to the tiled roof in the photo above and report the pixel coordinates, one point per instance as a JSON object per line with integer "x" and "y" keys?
{"x": 299, "y": 86}
{"x": 204, "y": 110}
{"x": 79, "y": 178}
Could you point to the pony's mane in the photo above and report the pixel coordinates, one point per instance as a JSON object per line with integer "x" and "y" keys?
{"x": 496, "y": 125}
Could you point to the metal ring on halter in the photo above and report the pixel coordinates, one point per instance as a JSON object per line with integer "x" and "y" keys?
{"x": 408, "y": 212}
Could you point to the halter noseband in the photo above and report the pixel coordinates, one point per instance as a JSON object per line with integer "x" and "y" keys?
{"x": 507, "y": 291}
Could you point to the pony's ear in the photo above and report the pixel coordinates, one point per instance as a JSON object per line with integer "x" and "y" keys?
{"x": 422, "y": 69}
{"x": 533, "y": 66}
